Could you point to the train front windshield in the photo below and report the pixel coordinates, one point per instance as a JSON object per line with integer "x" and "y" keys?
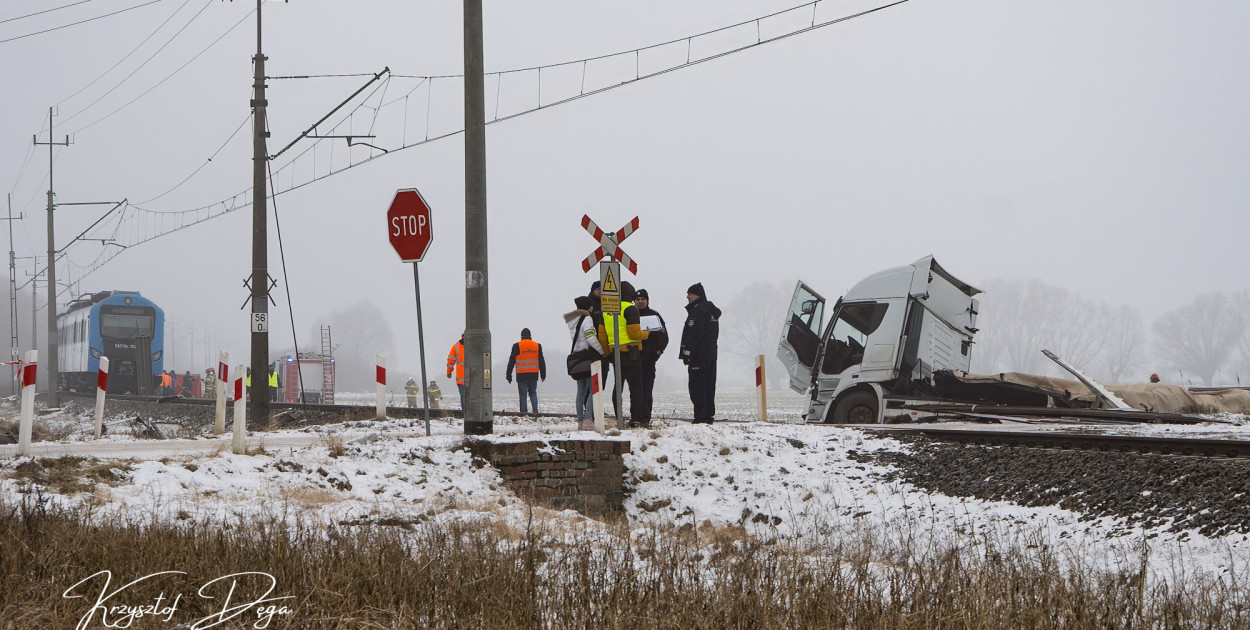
{"x": 127, "y": 322}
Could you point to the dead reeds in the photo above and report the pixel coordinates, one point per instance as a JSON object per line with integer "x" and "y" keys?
{"x": 464, "y": 574}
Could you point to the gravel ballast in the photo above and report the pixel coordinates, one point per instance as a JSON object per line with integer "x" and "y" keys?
{"x": 1174, "y": 493}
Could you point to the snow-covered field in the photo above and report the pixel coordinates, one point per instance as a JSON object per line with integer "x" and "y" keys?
{"x": 776, "y": 479}
{"x": 808, "y": 483}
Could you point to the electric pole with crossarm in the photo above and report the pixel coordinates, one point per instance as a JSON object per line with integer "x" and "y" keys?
{"x": 51, "y": 359}
{"x": 258, "y": 394}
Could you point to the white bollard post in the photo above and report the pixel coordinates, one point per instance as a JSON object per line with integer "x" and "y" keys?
{"x": 223, "y": 381}
{"x": 381, "y": 387}
{"x": 101, "y": 386}
{"x": 761, "y": 389}
{"x": 596, "y": 395}
{"x": 240, "y": 414}
{"x": 29, "y": 371}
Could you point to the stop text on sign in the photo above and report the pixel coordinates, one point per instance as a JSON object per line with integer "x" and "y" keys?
{"x": 410, "y": 225}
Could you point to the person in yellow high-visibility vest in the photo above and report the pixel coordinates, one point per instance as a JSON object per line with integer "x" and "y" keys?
{"x": 629, "y": 334}
{"x": 273, "y": 383}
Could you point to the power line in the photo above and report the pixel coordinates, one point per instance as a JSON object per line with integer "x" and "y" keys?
{"x": 98, "y": 17}
{"x": 132, "y": 51}
{"x": 104, "y": 74}
{"x": 167, "y": 77}
{"x": 145, "y": 61}
{"x": 64, "y": 6}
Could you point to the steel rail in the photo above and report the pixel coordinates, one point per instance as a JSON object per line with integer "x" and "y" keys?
{"x": 361, "y": 409}
{"x": 1140, "y": 444}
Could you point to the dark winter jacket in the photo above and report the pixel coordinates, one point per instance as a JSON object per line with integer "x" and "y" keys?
{"x": 655, "y": 343}
{"x": 699, "y": 335}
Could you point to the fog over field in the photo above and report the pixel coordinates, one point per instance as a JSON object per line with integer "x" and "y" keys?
{"x": 1089, "y": 157}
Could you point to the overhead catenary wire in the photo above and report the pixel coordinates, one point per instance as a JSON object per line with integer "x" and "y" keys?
{"x": 98, "y": 17}
{"x": 286, "y": 279}
{"x": 204, "y": 164}
{"x": 243, "y": 199}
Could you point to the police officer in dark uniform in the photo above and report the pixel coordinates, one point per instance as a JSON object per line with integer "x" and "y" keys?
{"x": 698, "y": 351}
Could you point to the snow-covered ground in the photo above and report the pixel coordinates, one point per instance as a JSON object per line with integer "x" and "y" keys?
{"x": 809, "y": 483}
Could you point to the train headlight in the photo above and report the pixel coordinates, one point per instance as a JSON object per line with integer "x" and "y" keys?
{"x": 156, "y": 356}
{"x": 95, "y": 354}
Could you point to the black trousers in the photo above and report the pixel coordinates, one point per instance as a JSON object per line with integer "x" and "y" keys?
{"x": 647, "y": 390}
{"x": 631, "y": 373}
{"x": 703, "y": 387}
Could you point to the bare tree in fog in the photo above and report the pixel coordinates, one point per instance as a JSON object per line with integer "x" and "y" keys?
{"x": 1241, "y": 302}
{"x": 1125, "y": 337}
{"x": 753, "y": 322}
{"x": 360, "y": 332}
{"x": 1199, "y": 337}
{"x": 1019, "y": 318}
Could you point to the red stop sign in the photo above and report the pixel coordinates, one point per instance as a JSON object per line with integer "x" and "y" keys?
{"x": 408, "y": 225}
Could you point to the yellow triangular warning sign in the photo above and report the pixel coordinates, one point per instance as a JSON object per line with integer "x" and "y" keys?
{"x": 609, "y": 282}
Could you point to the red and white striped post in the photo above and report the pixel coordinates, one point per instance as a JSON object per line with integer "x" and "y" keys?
{"x": 223, "y": 381}
{"x": 596, "y": 394}
{"x": 101, "y": 386}
{"x": 240, "y": 413}
{"x": 381, "y": 378}
{"x": 29, "y": 373}
{"x": 761, "y": 390}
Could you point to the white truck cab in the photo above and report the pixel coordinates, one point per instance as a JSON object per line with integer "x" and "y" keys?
{"x": 885, "y": 339}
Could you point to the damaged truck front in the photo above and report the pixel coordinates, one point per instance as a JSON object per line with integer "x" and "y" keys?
{"x": 885, "y": 340}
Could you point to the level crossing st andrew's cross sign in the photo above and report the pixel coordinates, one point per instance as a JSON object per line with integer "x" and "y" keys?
{"x": 408, "y": 225}
{"x": 609, "y": 244}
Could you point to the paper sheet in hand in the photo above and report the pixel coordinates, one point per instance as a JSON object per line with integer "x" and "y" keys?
{"x": 651, "y": 322}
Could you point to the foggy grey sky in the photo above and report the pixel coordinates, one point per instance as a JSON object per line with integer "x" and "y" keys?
{"x": 1101, "y": 146}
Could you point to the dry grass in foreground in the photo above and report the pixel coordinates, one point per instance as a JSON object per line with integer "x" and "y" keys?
{"x": 471, "y": 576}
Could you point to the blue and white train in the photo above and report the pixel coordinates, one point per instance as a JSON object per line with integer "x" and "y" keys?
{"x": 124, "y": 326}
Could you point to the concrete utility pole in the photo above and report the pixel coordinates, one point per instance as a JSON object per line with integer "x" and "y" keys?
{"x": 34, "y": 306}
{"x": 51, "y": 359}
{"x": 477, "y": 405}
{"x": 14, "y": 343}
{"x": 259, "y": 392}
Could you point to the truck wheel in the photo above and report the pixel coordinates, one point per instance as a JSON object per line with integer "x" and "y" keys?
{"x": 856, "y": 408}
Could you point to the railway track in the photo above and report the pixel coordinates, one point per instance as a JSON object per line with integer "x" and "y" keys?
{"x": 1144, "y": 445}
{"x": 354, "y": 411}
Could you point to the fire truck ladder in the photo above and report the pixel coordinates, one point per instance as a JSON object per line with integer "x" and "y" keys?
{"x": 327, "y": 367}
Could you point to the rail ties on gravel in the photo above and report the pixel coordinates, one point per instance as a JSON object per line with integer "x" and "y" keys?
{"x": 1141, "y": 445}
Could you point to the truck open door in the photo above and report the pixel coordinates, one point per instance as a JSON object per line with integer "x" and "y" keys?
{"x": 800, "y": 336}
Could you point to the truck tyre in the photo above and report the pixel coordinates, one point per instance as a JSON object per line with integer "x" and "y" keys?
{"x": 858, "y": 407}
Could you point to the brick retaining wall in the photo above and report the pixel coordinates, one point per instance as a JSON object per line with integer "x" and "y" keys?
{"x": 584, "y": 475}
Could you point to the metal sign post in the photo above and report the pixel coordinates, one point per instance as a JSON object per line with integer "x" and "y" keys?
{"x": 610, "y": 303}
{"x": 425, "y": 389}
{"x": 610, "y": 288}
{"x": 411, "y": 230}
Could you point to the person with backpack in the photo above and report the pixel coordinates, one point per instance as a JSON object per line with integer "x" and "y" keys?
{"x": 584, "y": 351}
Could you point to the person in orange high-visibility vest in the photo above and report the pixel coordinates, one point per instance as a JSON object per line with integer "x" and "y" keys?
{"x": 455, "y": 360}
{"x": 527, "y": 358}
